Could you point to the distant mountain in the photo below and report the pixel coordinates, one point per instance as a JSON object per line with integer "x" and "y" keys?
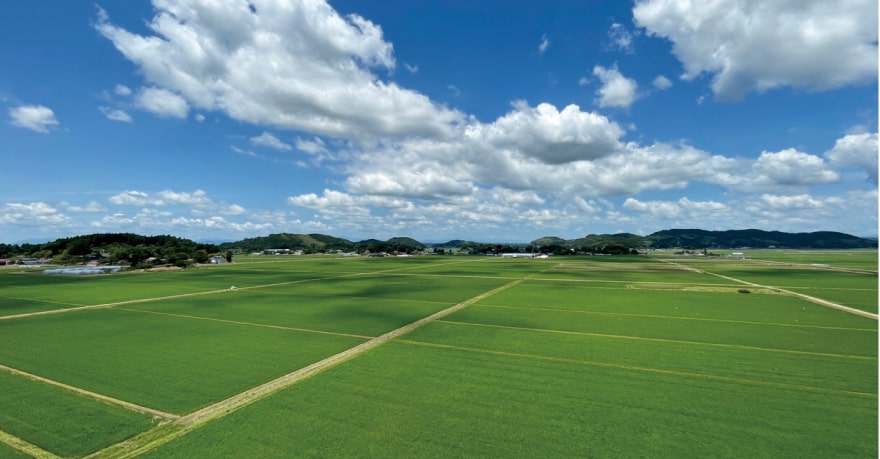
{"x": 548, "y": 240}
{"x": 702, "y": 239}
{"x": 405, "y": 243}
{"x": 133, "y": 247}
{"x": 453, "y": 244}
{"x": 319, "y": 243}
{"x": 311, "y": 242}
{"x": 695, "y": 239}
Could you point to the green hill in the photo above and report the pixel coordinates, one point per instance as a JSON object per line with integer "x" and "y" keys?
{"x": 306, "y": 242}
{"x": 702, "y": 239}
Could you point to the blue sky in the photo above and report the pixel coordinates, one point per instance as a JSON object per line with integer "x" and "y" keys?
{"x": 490, "y": 121}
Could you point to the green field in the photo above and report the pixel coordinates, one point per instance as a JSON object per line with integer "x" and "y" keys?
{"x": 560, "y": 357}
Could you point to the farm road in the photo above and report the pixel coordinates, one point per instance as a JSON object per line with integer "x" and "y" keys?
{"x": 809, "y": 298}
{"x": 25, "y": 447}
{"x": 158, "y": 436}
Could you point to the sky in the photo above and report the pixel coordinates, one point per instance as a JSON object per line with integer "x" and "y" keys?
{"x": 493, "y": 121}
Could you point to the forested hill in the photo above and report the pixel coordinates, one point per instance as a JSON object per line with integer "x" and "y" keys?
{"x": 127, "y": 248}
{"x": 134, "y": 249}
{"x": 702, "y": 239}
{"x": 694, "y": 238}
{"x": 310, "y": 242}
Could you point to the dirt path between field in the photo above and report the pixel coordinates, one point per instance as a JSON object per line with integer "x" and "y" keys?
{"x": 809, "y": 298}
{"x": 158, "y": 436}
{"x": 817, "y": 267}
{"x": 90, "y": 394}
{"x": 27, "y": 448}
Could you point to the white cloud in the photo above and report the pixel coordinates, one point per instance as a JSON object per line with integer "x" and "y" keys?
{"x": 411, "y": 68}
{"x": 268, "y": 140}
{"x": 205, "y": 226}
{"x": 801, "y": 201}
{"x": 661, "y": 82}
{"x": 657, "y": 208}
{"x": 131, "y": 198}
{"x": 312, "y": 147}
{"x": 621, "y": 38}
{"x": 790, "y": 168}
{"x": 199, "y": 117}
{"x": 162, "y": 102}
{"x": 35, "y": 213}
{"x": 860, "y": 150}
{"x": 545, "y": 43}
{"x": 122, "y": 90}
{"x": 92, "y": 206}
{"x": 616, "y": 90}
{"x": 297, "y": 66}
{"x": 422, "y": 184}
{"x": 407, "y": 163}
{"x": 532, "y": 148}
{"x": 549, "y": 135}
{"x": 754, "y": 46}
{"x": 244, "y": 152}
{"x": 37, "y": 118}
{"x": 197, "y": 202}
{"x": 115, "y": 115}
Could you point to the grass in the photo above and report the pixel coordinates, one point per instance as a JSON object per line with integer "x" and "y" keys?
{"x": 811, "y": 371}
{"x": 856, "y": 258}
{"x": 680, "y": 301}
{"x": 7, "y": 452}
{"x": 61, "y": 421}
{"x": 167, "y": 363}
{"x": 834, "y": 340}
{"x": 410, "y": 400}
{"x": 586, "y": 357}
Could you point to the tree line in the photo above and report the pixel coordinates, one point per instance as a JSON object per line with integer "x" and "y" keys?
{"x": 116, "y": 248}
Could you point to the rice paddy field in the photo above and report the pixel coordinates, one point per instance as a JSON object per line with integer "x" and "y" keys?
{"x": 774, "y": 355}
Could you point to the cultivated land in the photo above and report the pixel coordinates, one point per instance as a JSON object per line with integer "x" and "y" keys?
{"x": 447, "y": 356}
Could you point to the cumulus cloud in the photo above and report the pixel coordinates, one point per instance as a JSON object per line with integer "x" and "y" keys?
{"x": 268, "y": 140}
{"x": 616, "y": 89}
{"x": 37, "y": 118}
{"x": 162, "y": 102}
{"x": 313, "y": 147}
{"x": 801, "y": 201}
{"x": 423, "y": 184}
{"x": 296, "y": 65}
{"x": 197, "y": 202}
{"x": 549, "y": 135}
{"x": 405, "y": 162}
{"x": 591, "y": 164}
{"x": 754, "y": 46}
{"x": 661, "y": 82}
{"x": 115, "y": 114}
{"x": 859, "y": 150}
{"x": 122, "y": 90}
{"x": 34, "y": 213}
{"x": 790, "y": 168}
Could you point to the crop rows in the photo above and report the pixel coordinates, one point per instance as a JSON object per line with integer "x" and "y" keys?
{"x": 599, "y": 356}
